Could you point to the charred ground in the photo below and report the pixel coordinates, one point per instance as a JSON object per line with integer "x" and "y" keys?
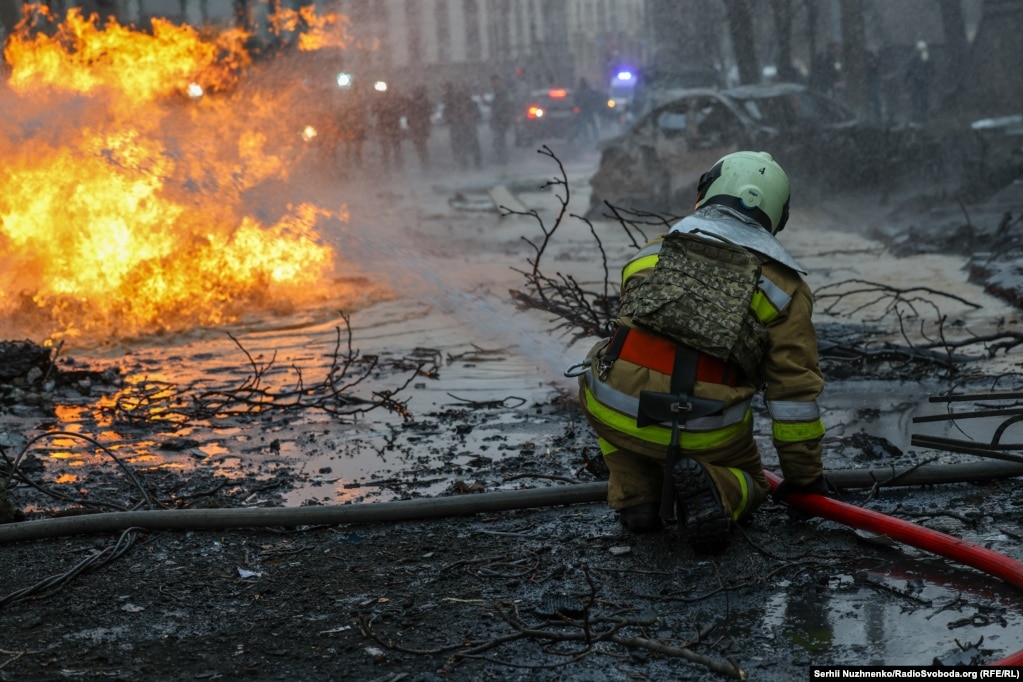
{"x": 551, "y": 593}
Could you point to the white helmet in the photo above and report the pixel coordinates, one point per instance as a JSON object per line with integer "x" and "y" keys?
{"x": 750, "y": 182}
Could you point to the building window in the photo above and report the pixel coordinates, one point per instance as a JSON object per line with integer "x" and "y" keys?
{"x": 473, "y": 47}
{"x": 415, "y": 36}
{"x": 443, "y": 32}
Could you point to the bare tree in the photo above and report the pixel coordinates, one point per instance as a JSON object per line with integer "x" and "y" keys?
{"x": 854, "y": 53}
{"x": 10, "y": 14}
{"x": 956, "y": 45}
{"x": 995, "y": 79}
{"x": 783, "y": 13}
{"x": 812, "y": 16}
{"x": 242, "y": 17}
{"x": 740, "y": 29}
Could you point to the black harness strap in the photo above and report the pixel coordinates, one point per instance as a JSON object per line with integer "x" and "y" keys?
{"x": 683, "y": 381}
{"x": 614, "y": 349}
{"x": 683, "y": 375}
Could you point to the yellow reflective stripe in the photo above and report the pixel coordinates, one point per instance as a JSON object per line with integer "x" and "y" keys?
{"x": 606, "y": 448}
{"x": 794, "y": 432}
{"x": 744, "y": 486}
{"x": 762, "y": 307}
{"x": 634, "y": 266}
{"x": 661, "y": 435}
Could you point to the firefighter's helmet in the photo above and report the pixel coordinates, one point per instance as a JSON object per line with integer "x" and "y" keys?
{"x": 750, "y": 182}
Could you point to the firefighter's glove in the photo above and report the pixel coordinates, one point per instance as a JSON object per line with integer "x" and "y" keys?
{"x": 819, "y": 486}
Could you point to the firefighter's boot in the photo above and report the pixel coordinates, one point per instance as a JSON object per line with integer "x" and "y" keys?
{"x": 700, "y": 512}
{"x": 641, "y": 518}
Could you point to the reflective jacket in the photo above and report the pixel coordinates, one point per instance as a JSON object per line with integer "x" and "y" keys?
{"x": 791, "y": 381}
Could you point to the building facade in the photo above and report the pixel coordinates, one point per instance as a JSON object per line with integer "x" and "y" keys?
{"x": 539, "y": 42}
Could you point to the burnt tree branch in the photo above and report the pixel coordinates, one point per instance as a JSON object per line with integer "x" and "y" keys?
{"x": 579, "y": 311}
{"x": 152, "y": 401}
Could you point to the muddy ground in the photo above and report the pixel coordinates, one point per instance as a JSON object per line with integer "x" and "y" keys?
{"x": 554, "y": 593}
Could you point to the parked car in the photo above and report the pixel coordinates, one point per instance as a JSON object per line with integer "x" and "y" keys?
{"x": 655, "y": 165}
{"x": 550, "y": 113}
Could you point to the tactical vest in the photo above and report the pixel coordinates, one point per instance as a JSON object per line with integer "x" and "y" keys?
{"x": 699, "y": 294}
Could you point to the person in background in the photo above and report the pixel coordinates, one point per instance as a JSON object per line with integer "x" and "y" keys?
{"x": 589, "y": 102}
{"x": 463, "y": 117}
{"x": 669, "y": 393}
{"x": 388, "y": 110}
{"x": 872, "y": 67}
{"x": 418, "y": 110}
{"x": 919, "y": 77}
{"x": 353, "y": 124}
{"x": 826, "y": 74}
{"x": 501, "y": 114}
{"x": 449, "y": 106}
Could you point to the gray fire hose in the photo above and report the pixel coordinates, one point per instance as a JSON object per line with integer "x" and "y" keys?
{"x": 438, "y": 507}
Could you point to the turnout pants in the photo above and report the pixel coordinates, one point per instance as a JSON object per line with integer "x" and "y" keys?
{"x": 735, "y": 467}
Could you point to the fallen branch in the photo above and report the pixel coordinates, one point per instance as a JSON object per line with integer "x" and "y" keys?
{"x": 890, "y": 297}
{"x": 152, "y": 401}
{"x": 579, "y": 312}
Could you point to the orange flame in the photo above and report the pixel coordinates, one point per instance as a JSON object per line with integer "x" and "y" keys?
{"x": 83, "y": 57}
{"x": 123, "y": 207}
{"x": 330, "y": 30}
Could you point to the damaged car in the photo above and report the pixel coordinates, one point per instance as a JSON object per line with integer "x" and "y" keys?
{"x": 998, "y": 158}
{"x": 656, "y": 164}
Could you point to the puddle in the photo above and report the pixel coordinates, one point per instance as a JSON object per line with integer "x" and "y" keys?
{"x": 481, "y": 395}
{"x": 901, "y": 613}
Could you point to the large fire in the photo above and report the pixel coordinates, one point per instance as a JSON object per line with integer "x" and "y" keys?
{"x": 126, "y": 207}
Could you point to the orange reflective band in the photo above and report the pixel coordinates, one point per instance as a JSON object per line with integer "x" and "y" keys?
{"x": 658, "y": 354}
{"x": 647, "y": 350}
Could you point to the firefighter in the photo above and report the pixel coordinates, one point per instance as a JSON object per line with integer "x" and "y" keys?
{"x": 418, "y": 110}
{"x": 388, "y": 110}
{"x": 353, "y": 124}
{"x": 712, "y": 312}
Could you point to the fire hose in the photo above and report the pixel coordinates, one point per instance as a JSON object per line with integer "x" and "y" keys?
{"x": 962, "y": 551}
{"x": 440, "y": 507}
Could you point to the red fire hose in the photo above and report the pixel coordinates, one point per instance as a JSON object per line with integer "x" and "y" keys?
{"x": 956, "y": 549}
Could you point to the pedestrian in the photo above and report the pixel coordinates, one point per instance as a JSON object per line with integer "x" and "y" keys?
{"x": 353, "y": 124}
{"x": 872, "y": 68}
{"x": 463, "y": 117}
{"x": 388, "y": 110}
{"x": 472, "y": 116}
{"x": 418, "y": 111}
{"x": 589, "y": 102}
{"x": 919, "y": 76}
{"x": 449, "y": 106}
{"x": 826, "y": 73}
{"x": 712, "y": 312}
{"x": 502, "y": 113}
